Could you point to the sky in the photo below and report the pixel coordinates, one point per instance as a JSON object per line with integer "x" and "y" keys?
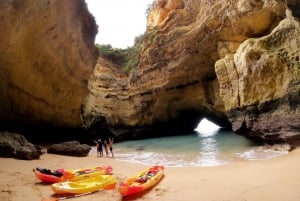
{"x": 119, "y": 21}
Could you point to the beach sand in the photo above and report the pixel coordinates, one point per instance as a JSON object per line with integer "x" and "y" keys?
{"x": 276, "y": 179}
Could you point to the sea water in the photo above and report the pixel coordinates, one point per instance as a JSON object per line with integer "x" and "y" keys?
{"x": 208, "y": 146}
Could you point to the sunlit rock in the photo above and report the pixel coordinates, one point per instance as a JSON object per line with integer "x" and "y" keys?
{"x": 260, "y": 86}
{"x": 46, "y": 57}
{"x": 175, "y": 84}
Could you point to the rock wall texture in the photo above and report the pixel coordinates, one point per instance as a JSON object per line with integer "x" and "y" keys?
{"x": 260, "y": 84}
{"x": 46, "y": 57}
{"x": 235, "y": 62}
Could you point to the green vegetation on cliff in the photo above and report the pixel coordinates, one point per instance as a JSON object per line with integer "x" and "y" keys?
{"x": 128, "y": 58}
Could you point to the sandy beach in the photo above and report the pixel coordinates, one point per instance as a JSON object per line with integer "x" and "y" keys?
{"x": 276, "y": 179}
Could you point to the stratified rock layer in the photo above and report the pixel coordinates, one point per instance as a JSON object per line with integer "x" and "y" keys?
{"x": 46, "y": 57}
{"x": 176, "y": 83}
{"x": 260, "y": 85}
{"x": 235, "y": 62}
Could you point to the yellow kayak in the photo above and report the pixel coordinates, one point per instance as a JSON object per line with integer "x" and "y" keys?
{"x": 86, "y": 173}
{"x": 142, "y": 180}
{"x": 85, "y": 186}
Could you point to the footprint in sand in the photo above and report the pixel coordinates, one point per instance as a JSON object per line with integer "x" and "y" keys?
{"x": 160, "y": 191}
{"x": 6, "y": 194}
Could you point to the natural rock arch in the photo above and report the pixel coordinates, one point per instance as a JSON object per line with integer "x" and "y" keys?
{"x": 179, "y": 76}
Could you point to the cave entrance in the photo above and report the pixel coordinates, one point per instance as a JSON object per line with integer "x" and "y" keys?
{"x": 207, "y": 127}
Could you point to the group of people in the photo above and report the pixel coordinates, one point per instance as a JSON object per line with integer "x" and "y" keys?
{"x": 106, "y": 145}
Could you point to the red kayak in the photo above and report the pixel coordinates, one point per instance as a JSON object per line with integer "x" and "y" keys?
{"x": 60, "y": 175}
{"x": 49, "y": 176}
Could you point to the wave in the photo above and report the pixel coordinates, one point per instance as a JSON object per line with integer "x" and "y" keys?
{"x": 200, "y": 159}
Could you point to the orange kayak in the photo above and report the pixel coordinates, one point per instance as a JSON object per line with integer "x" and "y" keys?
{"x": 60, "y": 175}
{"x": 141, "y": 181}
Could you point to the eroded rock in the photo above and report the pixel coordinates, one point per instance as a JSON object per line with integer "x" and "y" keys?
{"x": 175, "y": 84}
{"x": 70, "y": 148}
{"x": 16, "y": 146}
{"x": 260, "y": 85}
{"x": 47, "y": 54}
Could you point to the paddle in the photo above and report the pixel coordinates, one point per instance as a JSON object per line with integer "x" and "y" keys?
{"x": 67, "y": 197}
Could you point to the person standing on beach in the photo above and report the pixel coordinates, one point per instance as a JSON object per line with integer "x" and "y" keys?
{"x": 100, "y": 149}
{"x": 110, "y": 144}
{"x": 105, "y": 147}
{"x": 97, "y": 147}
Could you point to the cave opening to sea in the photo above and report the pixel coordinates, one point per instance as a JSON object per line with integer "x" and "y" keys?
{"x": 208, "y": 145}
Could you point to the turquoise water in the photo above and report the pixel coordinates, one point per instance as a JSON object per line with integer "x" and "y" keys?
{"x": 208, "y": 147}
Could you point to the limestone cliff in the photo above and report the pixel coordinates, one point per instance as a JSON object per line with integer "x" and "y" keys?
{"x": 235, "y": 62}
{"x": 46, "y": 57}
{"x": 176, "y": 84}
{"x": 260, "y": 85}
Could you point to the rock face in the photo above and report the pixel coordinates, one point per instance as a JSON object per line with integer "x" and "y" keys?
{"x": 234, "y": 62}
{"x": 46, "y": 57}
{"x": 177, "y": 82}
{"x": 15, "y": 145}
{"x": 71, "y": 148}
{"x": 260, "y": 85}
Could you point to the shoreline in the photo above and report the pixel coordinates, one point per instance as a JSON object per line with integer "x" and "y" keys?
{"x": 196, "y": 149}
{"x": 197, "y": 159}
{"x": 274, "y": 179}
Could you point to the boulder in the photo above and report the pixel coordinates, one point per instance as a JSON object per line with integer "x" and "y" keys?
{"x": 15, "y": 145}
{"x": 70, "y": 148}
